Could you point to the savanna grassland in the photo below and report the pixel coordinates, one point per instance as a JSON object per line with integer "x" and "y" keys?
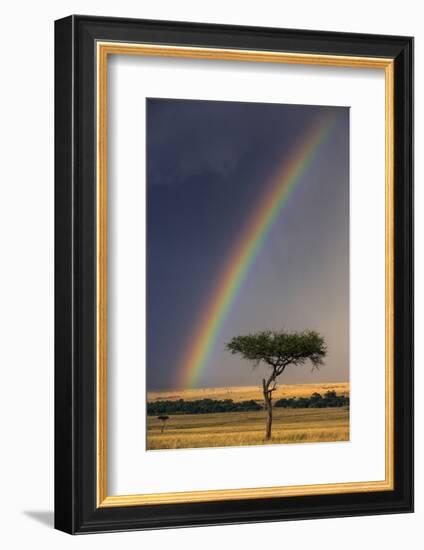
{"x": 247, "y": 427}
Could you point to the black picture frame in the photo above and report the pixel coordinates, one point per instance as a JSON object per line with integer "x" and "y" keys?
{"x": 76, "y": 509}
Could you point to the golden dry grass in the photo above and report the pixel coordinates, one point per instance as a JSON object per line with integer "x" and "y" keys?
{"x": 245, "y": 393}
{"x": 247, "y": 428}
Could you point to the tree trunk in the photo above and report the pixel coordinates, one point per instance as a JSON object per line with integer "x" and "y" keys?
{"x": 268, "y": 407}
{"x": 268, "y": 420}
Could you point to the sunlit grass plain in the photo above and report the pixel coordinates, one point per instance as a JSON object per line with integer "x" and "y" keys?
{"x": 247, "y": 428}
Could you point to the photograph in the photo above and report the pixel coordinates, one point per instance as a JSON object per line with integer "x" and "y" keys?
{"x": 247, "y": 259}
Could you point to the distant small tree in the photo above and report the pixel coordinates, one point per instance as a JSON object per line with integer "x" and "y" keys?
{"x": 163, "y": 418}
{"x": 278, "y": 350}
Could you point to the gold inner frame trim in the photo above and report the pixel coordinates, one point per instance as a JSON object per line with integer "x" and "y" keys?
{"x": 103, "y": 50}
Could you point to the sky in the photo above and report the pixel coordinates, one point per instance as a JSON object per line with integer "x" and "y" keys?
{"x": 209, "y": 164}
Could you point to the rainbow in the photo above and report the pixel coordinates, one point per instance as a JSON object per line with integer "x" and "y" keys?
{"x": 246, "y": 250}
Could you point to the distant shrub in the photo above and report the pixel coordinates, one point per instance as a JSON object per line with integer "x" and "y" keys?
{"x": 315, "y": 401}
{"x": 200, "y": 406}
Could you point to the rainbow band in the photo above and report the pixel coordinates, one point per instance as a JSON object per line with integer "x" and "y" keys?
{"x": 246, "y": 250}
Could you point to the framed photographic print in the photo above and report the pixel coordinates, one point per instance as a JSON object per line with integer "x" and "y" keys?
{"x": 233, "y": 274}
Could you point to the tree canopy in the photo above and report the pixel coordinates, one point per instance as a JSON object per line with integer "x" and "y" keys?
{"x": 280, "y": 349}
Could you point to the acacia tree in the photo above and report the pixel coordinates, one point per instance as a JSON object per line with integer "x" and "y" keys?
{"x": 278, "y": 350}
